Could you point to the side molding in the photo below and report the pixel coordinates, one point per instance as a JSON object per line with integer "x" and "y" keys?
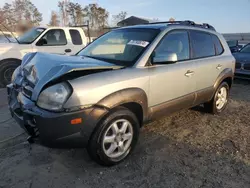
{"x": 128, "y": 95}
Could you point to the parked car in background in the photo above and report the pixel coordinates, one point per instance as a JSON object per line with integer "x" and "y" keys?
{"x": 56, "y": 40}
{"x": 242, "y": 67}
{"x": 234, "y": 45}
{"x": 102, "y": 96}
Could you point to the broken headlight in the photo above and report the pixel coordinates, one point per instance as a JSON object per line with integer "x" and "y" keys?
{"x": 15, "y": 74}
{"x": 54, "y": 97}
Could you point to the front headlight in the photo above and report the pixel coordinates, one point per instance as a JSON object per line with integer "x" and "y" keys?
{"x": 54, "y": 97}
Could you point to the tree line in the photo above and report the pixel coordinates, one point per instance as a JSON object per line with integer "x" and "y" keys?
{"x": 23, "y": 13}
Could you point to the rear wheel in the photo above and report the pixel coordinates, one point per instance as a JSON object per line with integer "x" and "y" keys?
{"x": 219, "y": 101}
{"x": 115, "y": 138}
{"x": 7, "y": 68}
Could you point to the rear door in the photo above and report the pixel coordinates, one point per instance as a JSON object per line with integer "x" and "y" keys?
{"x": 206, "y": 50}
{"x": 53, "y": 41}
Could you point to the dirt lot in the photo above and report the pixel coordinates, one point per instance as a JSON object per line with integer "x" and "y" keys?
{"x": 187, "y": 149}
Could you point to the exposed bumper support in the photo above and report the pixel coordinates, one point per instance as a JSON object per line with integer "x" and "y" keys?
{"x": 53, "y": 128}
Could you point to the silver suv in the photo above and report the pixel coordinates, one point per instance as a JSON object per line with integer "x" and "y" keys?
{"x": 100, "y": 97}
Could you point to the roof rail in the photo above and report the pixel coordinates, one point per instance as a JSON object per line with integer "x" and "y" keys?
{"x": 187, "y": 23}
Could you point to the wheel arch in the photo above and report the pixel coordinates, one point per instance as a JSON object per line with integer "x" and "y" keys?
{"x": 10, "y": 59}
{"x": 135, "y": 99}
{"x": 226, "y": 75}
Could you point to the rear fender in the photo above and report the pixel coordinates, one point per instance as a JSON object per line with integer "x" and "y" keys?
{"x": 226, "y": 73}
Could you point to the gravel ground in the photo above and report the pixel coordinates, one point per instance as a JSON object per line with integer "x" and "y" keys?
{"x": 187, "y": 149}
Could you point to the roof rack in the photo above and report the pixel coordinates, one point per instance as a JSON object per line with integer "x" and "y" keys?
{"x": 187, "y": 23}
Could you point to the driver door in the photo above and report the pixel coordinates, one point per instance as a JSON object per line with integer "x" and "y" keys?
{"x": 172, "y": 85}
{"x": 53, "y": 41}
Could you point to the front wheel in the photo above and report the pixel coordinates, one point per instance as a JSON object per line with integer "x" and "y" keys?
{"x": 6, "y": 70}
{"x": 219, "y": 101}
{"x": 115, "y": 137}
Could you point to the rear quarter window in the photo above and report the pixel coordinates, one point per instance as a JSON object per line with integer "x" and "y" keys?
{"x": 75, "y": 36}
{"x": 218, "y": 47}
{"x": 202, "y": 44}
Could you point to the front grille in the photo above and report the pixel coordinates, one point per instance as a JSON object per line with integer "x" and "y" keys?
{"x": 238, "y": 65}
{"x": 247, "y": 66}
{"x": 239, "y": 75}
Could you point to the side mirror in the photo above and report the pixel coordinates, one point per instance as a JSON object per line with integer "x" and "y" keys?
{"x": 164, "y": 58}
{"x": 41, "y": 42}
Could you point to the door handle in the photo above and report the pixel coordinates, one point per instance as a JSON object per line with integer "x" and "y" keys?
{"x": 68, "y": 50}
{"x": 189, "y": 73}
{"x": 219, "y": 67}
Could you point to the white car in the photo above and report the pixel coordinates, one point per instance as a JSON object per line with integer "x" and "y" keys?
{"x": 6, "y": 37}
{"x": 56, "y": 40}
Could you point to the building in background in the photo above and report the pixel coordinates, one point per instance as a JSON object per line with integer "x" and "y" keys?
{"x": 243, "y": 38}
{"x": 133, "y": 20}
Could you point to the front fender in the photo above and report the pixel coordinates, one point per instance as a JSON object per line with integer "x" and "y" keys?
{"x": 129, "y": 95}
{"x": 102, "y": 108}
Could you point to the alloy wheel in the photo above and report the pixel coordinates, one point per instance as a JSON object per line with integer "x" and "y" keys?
{"x": 117, "y": 138}
{"x": 221, "y": 98}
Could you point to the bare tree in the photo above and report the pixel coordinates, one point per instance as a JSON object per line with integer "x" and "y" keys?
{"x": 97, "y": 16}
{"x": 54, "y": 20}
{"x": 76, "y": 13}
{"x": 25, "y": 10}
{"x": 20, "y": 12}
{"x": 8, "y": 16}
{"x": 119, "y": 17}
{"x": 63, "y": 12}
{"x": 1, "y": 15}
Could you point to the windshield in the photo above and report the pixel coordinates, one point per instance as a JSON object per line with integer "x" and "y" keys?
{"x": 245, "y": 49}
{"x": 31, "y": 35}
{"x": 123, "y": 46}
{"x": 232, "y": 43}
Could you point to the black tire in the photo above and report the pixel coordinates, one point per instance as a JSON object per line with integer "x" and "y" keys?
{"x": 7, "y": 68}
{"x": 95, "y": 148}
{"x": 211, "y": 105}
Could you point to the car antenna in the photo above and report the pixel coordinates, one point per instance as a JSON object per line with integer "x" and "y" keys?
{"x": 11, "y": 33}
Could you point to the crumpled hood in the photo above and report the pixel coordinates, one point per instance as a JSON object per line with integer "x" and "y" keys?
{"x": 41, "y": 68}
{"x": 242, "y": 57}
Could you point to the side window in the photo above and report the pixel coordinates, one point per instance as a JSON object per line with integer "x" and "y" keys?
{"x": 174, "y": 42}
{"x": 202, "y": 44}
{"x": 217, "y": 44}
{"x": 75, "y": 36}
{"x": 54, "y": 37}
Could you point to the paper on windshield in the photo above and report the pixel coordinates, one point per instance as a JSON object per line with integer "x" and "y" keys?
{"x": 138, "y": 43}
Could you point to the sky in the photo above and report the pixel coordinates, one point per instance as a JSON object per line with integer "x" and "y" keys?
{"x": 227, "y": 16}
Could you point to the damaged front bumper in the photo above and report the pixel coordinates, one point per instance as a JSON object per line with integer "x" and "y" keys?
{"x": 52, "y": 128}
